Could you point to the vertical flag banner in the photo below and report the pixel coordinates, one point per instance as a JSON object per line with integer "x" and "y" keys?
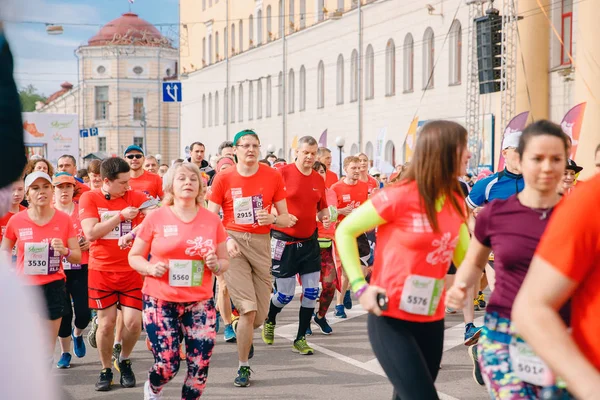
{"x": 295, "y": 142}
{"x": 323, "y": 139}
{"x": 378, "y": 162}
{"x": 411, "y": 139}
{"x": 517, "y": 124}
{"x": 571, "y": 125}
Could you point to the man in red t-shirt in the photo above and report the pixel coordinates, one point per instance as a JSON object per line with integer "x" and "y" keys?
{"x": 66, "y": 163}
{"x": 107, "y": 216}
{"x": 324, "y": 156}
{"x": 140, "y": 179}
{"x": 295, "y": 250}
{"x": 351, "y": 193}
{"x": 246, "y": 194}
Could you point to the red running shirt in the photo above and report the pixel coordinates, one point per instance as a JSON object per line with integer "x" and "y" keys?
{"x": 331, "y": 178}
{"x": 149, "y": 183}
{"x": 353, "y": 195}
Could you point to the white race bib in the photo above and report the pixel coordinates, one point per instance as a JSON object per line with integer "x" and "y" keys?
{"x": 421, "y": 295}
{"x": 40, "y": 259}
{"x": 186, "y": 273}
{"x": 67, "y": 266}
{"x": 122, "y": 229}
{"x": 527, "y": 365}
{"x": 277, "y": 248}
{"x": 244, "y": 209}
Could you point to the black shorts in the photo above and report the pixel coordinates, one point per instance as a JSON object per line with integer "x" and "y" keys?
{"x": 452, "y": 269}
{"x": 299, "y": 256}
{"x": 55, "y": 297}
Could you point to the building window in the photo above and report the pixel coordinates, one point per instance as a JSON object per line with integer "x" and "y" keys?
{"x": 232, "y": 94}
{"x": 216, "y": 108}
{"x": 369, "y": 150}
{"x": 250, "y": 101}
{"x": 241, "y": 29}
{"x": 232, "y": 39}
{"x": 269, "y": 27}
{"x": 101, "y": 143}
{"x": 566, "y": 32}
{"x": 204, "y": 111}
{"x": 354, "y": 76}
{"x": 291, "y": 91}
{"x": 203, "y": 51}
{"x": 291, "y": 16}
{"x": 138, "y": 108}
{"x": 428, "y": 58}
{"x": 101, "y": 102}
{"x": 321, "y": 85}
{"x": 369, "y": 73}
{"x": 390, "y": 68}
{"x": 225, "y": 106}
{"x": 138, "y": 141}
{"x": 340, "y": 6}
{"x": 455, "y": 53}
{"x": 302, "y": 14}
{"x": 251, "y": 30}
{"x": 269, "y": 93}
{"x": 209, "y": 3}
{"x": 225, "y": 40}
{"x": 217, "y": 47}
{"x": 259, "y": 27}
{"x": 302, "y": 88}
{"x": 409, "y": 63}
{"x": 210, "y": 109}
{"x": 390, "y": 153}
{"x": 281, "y": 18}
{"x": 241, "y": 105}
{"x": 321, "y": 10}
{"x": 280, "y": 94}
{"x": 259, "y": 99}
{"x": 339, "y": 84}
{"x": 203, "y": 5}
{"x": 210, "y": 45}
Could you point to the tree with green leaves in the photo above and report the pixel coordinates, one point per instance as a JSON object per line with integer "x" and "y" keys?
{"x": 29, "y": 96}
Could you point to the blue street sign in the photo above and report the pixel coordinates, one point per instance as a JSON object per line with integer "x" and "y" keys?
{"x": 171, "y": 92}
{"x": 83, "y": 133}
{"x": 93, "y": 131}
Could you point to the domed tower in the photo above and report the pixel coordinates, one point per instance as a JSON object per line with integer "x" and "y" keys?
{"x": 121, "y": 72}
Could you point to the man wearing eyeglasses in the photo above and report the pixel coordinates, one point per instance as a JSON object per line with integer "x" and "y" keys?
{"x": 247, "y": 193}
{"x": 144, "y": 181}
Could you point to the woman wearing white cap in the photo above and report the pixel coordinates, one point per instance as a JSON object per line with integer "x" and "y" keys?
{"x": 43, "y": 236}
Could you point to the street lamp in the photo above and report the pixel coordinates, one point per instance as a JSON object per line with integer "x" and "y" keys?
{"x": 270, "y": 149}
{"x": 339, "y": 142}
{"x": 158, "y": 157}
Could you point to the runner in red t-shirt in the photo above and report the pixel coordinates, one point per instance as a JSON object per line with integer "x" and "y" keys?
{"x": 295, "y": 250}
{"x": 18, "y": 194}
{"x": 351, "y": 193}
{"x": 43, "y": 237}
{"x": 371, "y": 182}
{"x": 107, "y": 217}
{"x": 246, "y": 194}
{"x": 324, "y": 156}
{"x": 142, "y": 180}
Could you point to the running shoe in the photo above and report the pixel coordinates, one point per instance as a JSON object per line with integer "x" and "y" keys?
{"x": 229, "y": 334}
{"x": 251, "y": 352}
{"x": 105, "y": 381}
{"x": 476, "y": 369}
{"x": 450, "y": 310}
{"x": 149, "y": 394}
{"x": 78, "y": 345}
{"x": 347, "y": 300}
{"x": 217, "y": 323}
{"x": 64, "y": 362}
{"x": 243, "y": 377}
{"x": 472, "y": 334}
{"x": 91, "y": 337}
{"x": 309, "y": 331}
{"x": 476, "y": 305}
{"x": 323, "y": 325}
{"x": 340, "y": 312}
{"x": 300, "y": 346}
{"x": 481, "y": 301}
{"x": 268, "y": 332}
{"x": 116, "y": 351}
{"x": 127, "y": 376}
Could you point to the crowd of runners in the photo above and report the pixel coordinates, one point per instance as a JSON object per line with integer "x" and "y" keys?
{"x": 129, "y": 245}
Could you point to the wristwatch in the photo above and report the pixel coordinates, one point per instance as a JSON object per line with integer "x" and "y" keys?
{"x": 274, "y": 220}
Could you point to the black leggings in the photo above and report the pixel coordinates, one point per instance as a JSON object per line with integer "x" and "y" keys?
{"x": 410, "y": 354}
{"x": 77, "y": 289}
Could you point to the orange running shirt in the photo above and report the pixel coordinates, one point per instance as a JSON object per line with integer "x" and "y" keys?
{"x": 33, "y": 246}
{"x": 331, "y": 178}
{"x": 407, "y": 245}
{"x": 148, "y": 183}
{"x": 571, "y": 244}
{"x": 105, "y": 254}
{"x": 354, "y": 195}
{"x": 239, "y": 197}
{"x": 172, "y": 240}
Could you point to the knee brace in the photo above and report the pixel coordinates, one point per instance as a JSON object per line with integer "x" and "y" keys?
{"x": 309, "y": 298}
{"x": 285, "y": 291}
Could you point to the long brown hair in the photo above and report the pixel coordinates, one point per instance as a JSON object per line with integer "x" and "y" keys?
{"x": 435, "y": 166}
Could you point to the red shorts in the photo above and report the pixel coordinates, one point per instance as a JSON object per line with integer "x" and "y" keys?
{"x": 106, "y": 289}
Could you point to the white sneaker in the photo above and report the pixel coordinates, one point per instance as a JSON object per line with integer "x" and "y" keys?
{"x": 149, "y": 395}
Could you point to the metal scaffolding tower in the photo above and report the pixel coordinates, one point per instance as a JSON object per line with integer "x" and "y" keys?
{"x": 508, "y": 83}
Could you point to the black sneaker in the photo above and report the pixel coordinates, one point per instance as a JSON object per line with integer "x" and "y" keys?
{"x": 243, "y": 377}
{"x": 127, "y": 375}
{"x": 105, "y": 381}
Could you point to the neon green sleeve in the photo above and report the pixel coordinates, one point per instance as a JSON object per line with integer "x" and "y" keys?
{"x": 361, "y": 220}
{"x": 463, "y": 244}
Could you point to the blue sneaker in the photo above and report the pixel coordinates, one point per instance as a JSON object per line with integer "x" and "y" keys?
{"x": 229, "y": 334}
{"x": 65, "y": 361}
{"x": 217, "y": 323}
{"x": 340, "y": 312}
{"x": 323, "y": 325}
{"x": 347, "y": 301}
{"x": 472, "y": 334}
{"x": 78, "y": 345}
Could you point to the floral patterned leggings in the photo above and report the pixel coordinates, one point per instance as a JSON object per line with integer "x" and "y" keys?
{"x": 328, "y": 280}
{"x": 164, "y": 320}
